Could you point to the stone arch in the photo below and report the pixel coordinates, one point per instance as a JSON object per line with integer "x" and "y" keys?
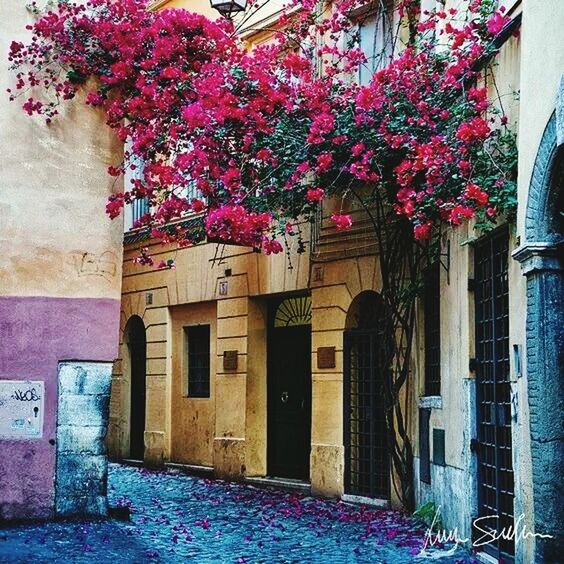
{"x": 542, "y": 223}
{"x": 541, "y": 261}
{"x": 364, "y": 311}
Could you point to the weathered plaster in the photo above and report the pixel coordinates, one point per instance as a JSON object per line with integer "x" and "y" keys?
{"x": 55, "y": 236}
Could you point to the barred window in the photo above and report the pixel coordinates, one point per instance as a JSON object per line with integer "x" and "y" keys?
{"x": 198, "y": 347}
{"x": 432, "y": 315}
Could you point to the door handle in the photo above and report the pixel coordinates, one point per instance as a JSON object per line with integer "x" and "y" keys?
{"x": 284, "y": 397}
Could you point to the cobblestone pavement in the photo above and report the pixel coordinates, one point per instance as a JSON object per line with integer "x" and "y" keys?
{"x": 178, "y": 518}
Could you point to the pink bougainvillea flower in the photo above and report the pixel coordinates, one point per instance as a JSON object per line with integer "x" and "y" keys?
{"x": 423, "y": 231}
{"x": 259, "y": 134}
{"x": 342, "y": 222}
{"x": 315, "y": 195}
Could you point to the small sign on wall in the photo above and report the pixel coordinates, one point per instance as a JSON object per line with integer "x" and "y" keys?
{"x": 326, "y": 357}
{"x": 230, "y": 360}
{"x": 21, "y": 409}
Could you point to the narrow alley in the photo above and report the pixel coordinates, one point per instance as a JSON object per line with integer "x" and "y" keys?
{"x": 179, "y": 518}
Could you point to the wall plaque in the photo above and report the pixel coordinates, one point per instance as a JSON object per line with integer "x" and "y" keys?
{"x": 230, "y": 360}
{"x": 21, "y": 409}
{"x": 223, "y": 288}
{"x": 326, "y": 357}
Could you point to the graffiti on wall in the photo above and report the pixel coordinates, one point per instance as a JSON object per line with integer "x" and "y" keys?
{"x": 21, "y": 409}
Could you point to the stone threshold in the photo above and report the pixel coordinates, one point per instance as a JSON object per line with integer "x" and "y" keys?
{"x": 192, "y": 469}
{"x": 130, "y": 462}
{"x": 361, "y": 500}
{"x": 280, "y": 483}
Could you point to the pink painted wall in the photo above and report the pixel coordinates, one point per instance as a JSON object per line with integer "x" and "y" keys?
{"x": 36, "y": 334}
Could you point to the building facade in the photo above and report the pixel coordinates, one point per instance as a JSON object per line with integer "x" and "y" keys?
{"x": 252, "y": 366}
{"x": 60, "y": 280}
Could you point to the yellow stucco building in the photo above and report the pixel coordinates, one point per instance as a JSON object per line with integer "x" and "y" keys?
{"x": 250, "y": 366}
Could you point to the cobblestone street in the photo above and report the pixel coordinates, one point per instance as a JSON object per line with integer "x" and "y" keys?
{"x": 178, "y": 518}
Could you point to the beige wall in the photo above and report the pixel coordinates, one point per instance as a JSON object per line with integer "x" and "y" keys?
{"x": 191, "y": 418}
{"x": 238, "y": 420}
{"x": 55, "y": 236}
{"x": 542, "y": 67}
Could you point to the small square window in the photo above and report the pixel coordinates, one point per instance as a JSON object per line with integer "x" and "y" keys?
{"x": 198, "y": 352}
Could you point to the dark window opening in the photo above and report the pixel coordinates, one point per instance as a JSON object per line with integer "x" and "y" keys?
{"x": 198, "y": 344}
{"x": 432, "y": 315}
{"x": 424, "y": 446}
{"x": 439, "y": 447}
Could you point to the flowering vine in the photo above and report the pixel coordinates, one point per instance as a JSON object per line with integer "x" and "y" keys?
{"x": 250, "y": 140}
{"x": 248, "y": 144}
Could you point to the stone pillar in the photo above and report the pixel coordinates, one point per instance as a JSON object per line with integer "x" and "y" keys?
{"x": 230, "y": 389}
{"x": 543, "y": 267}
{"x": 329, "y": 306}
{"x": 82, "y": 469}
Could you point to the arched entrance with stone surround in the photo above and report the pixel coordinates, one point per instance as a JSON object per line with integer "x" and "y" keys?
{"x": 367, "y": 457}
{"x": 542, "y": 263}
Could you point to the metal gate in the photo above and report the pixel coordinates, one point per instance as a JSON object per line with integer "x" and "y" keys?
{"x": 493, "y": 394}
{"x": 367, "y": 465}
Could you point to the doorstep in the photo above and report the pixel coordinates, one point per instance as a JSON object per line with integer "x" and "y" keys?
{"x": 280, "y": 483}
{"x": 361, "y": 500}
{"x": 132, "y": 462}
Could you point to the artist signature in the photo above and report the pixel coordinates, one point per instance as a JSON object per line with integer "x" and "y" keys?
{"x": 484, "y": 525}
{"x": 27, "y": 395}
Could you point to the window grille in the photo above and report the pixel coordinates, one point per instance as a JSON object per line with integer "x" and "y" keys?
{"x": 139, "y": 209}
{"x": 432, "y": 315}
{"x": 496, "y": 489}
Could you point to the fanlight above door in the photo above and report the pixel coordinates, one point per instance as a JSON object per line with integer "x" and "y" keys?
{"x": 293, "y": 312}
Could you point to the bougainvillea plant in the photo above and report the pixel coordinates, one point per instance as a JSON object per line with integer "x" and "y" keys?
{"x": 254, "y": 141}
{"x": 248, "y": 144}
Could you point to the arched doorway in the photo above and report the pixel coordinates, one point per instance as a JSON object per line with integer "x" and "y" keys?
{"x": 136, "y": 340}
{"x": 367, "y": 458}
{"x": 289, "y": 388}
{"x": 542, "y": 261}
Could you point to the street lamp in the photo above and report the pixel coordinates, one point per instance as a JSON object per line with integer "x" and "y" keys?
{"x": 227, "y": 8}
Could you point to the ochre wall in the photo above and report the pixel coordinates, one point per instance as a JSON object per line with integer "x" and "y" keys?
{"x": 238, "y": 422}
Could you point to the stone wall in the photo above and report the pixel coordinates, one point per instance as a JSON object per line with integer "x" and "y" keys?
{"x": 81, "y": 474}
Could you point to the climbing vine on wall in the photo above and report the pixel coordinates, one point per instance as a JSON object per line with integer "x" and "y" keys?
{"x": 264, "y": 136}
